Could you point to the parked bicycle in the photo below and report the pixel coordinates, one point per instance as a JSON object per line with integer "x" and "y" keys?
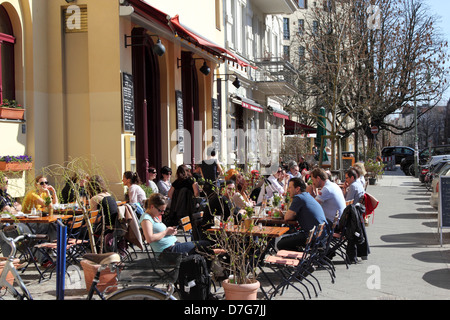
{"x": 137, "y": 279}
{"x": 9, "y": 267}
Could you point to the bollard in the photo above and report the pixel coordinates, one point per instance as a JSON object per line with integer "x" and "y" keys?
{"x": 61, "y": 260}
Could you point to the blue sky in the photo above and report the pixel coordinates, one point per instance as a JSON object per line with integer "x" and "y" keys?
{"x": 442, "y": 9}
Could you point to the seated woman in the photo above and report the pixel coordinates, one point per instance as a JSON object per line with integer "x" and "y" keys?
{"x": 151, "y": 177}
{"x": 182, "y": 194}
{"x": 103, "y": 201}
{"x": 68, "y": 194}
{"x": 164, "y": 184}
{"x": 135, "y": 193}
{"x": 36, "y": 198}
{"x": 241, "y": 198}
{"x": 160, "y": 237}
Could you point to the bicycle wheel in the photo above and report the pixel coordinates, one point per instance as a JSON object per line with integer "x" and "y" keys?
{"x": 140, "y": 293}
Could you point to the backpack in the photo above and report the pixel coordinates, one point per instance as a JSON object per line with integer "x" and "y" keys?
{"x": 194, "y": 280}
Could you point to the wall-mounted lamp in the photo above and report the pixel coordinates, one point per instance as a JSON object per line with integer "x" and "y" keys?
{"x": 158, "y": 47}
{"x": 203, "y": 69}
{"x": 236, "y": 81}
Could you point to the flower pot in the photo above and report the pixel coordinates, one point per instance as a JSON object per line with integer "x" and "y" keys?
{"x": 372, "y": 181}
{"x": 15, "y": 166}
{"x": 247, "y": 223}
{"x": 11, "y": 113}
{"x": 9, "y": 277}
{"x": 107, "y": 278}
{"x": 247, "y": 291}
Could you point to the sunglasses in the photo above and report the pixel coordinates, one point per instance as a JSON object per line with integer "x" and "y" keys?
{"x": 43, "y": 182}
{"x": 152, "y": 171}
{"x": 159, "y": 210}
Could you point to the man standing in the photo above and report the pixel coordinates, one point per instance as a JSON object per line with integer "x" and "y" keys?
{"x": 305, "y": 210}
{"x": 330, "y": 198}
{"x": 353, "y": 189}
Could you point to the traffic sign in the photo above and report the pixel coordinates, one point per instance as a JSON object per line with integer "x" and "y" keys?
{"x": 374, "y": 129}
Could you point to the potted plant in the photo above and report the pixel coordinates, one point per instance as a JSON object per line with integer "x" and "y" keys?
{"x": 243, "y": 254}
{"x": 15, "y": 163}
{"x": 10, "y": 109}
{"x": 374, "y": 169}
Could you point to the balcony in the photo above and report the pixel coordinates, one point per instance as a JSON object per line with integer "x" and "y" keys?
{"x": 275, "y": 76}
{"x": 276, "y": 6}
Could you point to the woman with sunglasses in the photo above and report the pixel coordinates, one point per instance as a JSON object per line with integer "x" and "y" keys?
{"x": 36, "y": 198}
{"x": 164, "y": 184}
{"x": 151, "y": 178}
{"x": 160, "y": 237}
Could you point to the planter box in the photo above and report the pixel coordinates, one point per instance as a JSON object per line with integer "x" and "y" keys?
{"x": 11, "y": 113}
{"x": 15, "y": 166}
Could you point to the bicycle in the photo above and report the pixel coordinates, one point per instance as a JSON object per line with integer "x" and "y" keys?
{"x": 148, "y": 269}
{"x": 9, "y": 267}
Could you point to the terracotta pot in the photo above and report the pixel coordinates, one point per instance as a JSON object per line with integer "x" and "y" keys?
{"x": 9, "y": 277}
{"x": 246, "y": 291}
{"x": 11, "y": 113}
{"x": 15, "y": 166}
{"x": 107, "y": 278}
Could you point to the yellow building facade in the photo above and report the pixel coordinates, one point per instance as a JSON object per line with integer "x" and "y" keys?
{"x": 85, "y": 68}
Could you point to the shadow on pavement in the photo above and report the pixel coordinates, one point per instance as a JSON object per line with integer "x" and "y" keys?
{"x": 435, "y": 278}
{"x": 413, "y": 216}
{"x": 411, "y": 239}
{"x": 432, "y": 256}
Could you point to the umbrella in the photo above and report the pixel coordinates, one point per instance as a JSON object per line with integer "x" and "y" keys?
{"x": 321, "y": 131}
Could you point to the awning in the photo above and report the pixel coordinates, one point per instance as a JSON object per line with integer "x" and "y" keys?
{"x": 292, "y": 127}
{"x": 279, "y": 113}
{"x": 178, "y": 30}
{"x": 247, "y": 103}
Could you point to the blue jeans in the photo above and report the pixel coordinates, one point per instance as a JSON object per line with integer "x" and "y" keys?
{"x": 189, "y": 247}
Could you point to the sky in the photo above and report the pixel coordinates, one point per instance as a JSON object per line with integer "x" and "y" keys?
{"x": 442, "y": 9}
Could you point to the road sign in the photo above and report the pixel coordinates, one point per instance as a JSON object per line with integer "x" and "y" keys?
{"x": 374, "y": 129}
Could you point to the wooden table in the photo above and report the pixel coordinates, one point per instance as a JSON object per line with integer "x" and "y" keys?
{"x": 47, "y": 219}
{"x": 271, "y": 232}
{"x": 274, "y": 221}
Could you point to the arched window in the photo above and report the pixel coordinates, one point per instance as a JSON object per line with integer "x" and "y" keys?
{"x": 7, "y": 41}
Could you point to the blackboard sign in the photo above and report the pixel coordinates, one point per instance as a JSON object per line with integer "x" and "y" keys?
{"x": 444, "y": 203}
{"x": 128, "y": 102}
{"x": 347, "y": 162}
{"x": 180, "y": 120}
{"x": 216, "y": 125}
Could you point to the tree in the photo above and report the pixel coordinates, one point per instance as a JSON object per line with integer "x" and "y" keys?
{"x": 361, "y": 73}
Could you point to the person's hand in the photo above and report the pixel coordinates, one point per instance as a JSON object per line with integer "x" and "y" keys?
{"x": 171, "y": 231}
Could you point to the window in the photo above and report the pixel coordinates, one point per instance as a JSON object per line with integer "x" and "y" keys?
{"x": 301, "y": 26}
{"x": 286, "y": 34}
{"x": 302, "y": 4}
{"x": 286, "y": 53}
{"x": 218, "y": 16}
{"x": 7, "y": 40}
{"x": 315, "y": 28}
{"x": 301, "y": 54}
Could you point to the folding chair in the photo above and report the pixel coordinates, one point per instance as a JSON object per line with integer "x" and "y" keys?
{"x": 294, "y": 266}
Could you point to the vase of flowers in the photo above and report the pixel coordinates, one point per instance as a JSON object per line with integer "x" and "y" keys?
{"x": 10, "y": 109}
{"x": 15, "y": 163}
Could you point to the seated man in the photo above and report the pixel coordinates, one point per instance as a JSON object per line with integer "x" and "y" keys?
{"x": 330, "y": 198}
{"x": 305, "y": 210}
{"x": 7, "y": 203}
{"x": 353, "y": 189}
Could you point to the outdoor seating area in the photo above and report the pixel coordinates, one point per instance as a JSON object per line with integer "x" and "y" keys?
{"x": 239, "y": 224}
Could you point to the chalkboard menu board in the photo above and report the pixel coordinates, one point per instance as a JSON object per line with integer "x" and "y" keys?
{"x": 180, "y": 120}
{"x": 128, "y": 102}
{"x": 216, "y": 125}
{"x": 347, "y": 162}
{"x": 444, "y": 194}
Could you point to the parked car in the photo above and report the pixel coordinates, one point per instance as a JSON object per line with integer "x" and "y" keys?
{"x": 434, "y": 198}
{"x": 399, "y": 152}
{"x": 429, "y": 165}
{"x": 435, "y": 170}
{"x": 407, "y": 163}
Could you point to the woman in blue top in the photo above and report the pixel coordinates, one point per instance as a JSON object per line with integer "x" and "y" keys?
{"x": 160, "y": 237}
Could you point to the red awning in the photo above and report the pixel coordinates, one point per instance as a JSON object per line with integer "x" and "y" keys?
{"x": 200, "y": 41}
{"x": 292, "y": 127}
{"x": 280, "y": 115}
{"x": 247, "y": 103}
{"x": 174, "y": 26}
